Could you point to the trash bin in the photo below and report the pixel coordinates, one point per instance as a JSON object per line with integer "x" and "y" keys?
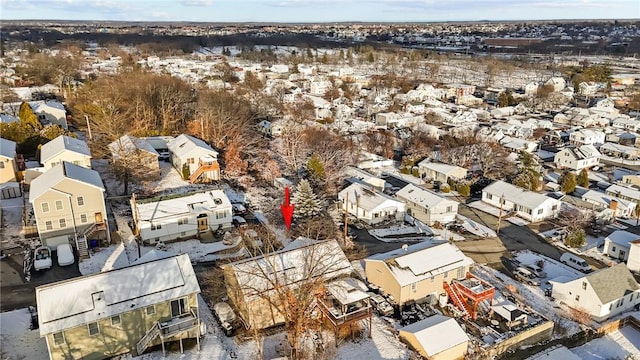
{"x": 93, "y": 243}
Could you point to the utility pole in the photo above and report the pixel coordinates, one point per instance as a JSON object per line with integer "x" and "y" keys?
{"x": 346, "y": 207}
{"x": 500, "y": 216}
{"x": 136, "y": 230}
{"x": 86, "y": 117}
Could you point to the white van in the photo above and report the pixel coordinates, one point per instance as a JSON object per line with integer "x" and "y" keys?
{"x": 575, "y": 262}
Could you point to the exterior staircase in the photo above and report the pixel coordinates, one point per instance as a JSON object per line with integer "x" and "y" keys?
{"x": 205, "y": 165}
{"x": 457, "y": 299}
{"x": 82, "y": 246}
{"x": 147, "y": 339}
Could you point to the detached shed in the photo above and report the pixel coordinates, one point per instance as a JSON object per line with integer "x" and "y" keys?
{"x": 437, "y": 338}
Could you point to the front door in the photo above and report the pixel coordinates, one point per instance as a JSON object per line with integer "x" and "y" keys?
{"x": 98, "y": 217}
{"x": 621, "y": 255}
{"x": 203, "y": 222}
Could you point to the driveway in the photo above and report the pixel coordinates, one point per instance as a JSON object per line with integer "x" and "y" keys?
{"x": 16, "y": 293}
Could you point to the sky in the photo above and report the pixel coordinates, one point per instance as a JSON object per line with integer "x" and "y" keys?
{"x": 318, "y": 10}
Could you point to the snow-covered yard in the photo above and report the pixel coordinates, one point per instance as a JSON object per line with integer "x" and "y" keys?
{"x": 619, "y": 344}
{"x": 484, "y": 207}
{"x": 551, "y": 267}
{"x": 18, "y": 342}
{"x": 11, "y": 232}
{"x": 475, "y": 228}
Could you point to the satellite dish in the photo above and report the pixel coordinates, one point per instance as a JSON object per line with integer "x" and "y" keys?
{"x": 405, "y": 247}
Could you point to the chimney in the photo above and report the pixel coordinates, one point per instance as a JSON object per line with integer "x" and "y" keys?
{"x": 613, "y": 205}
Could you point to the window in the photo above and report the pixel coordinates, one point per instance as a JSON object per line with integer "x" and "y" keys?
{"x": 433, "y": 279}
{"x": 446, "y": 274}
{"x": 584, "y": 285}
{"x": 58, "y": 338}
{"x": 1, "y": 164}
{"x": 221, "y": 214}
{"x": 63, "y": 223}
{"x": 613, "y": 249}
{"x": 577, "y": 297}
{"x": 150, "y": 310}
{"x": 183, "y": 220}
{"x": 45, "y": 207}
{"x": 156, "y": 226}
{"x": 449, "y": 209}
{"x": 48, "y": 225}
{"x": 59, "y": 205}
{"x": 554, "y": 208}
{"x": 540, "y": 211}
{"x": 414, "y": 287}
{"x": 80, "y": 200}
{"x": 611, "y": 307}
{"x": 489, "y": 196}
{"x": 83, "y": 218}
{"x": 115, "y": 320}
{"x": 461, "y": 273}
{"x": 178, "y": 307}
{"x": 93, "y": 329}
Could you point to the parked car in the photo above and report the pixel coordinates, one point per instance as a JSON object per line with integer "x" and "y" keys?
{"x": 458, "y": 228}
{"x": 239, "y": 209}
{"x": 510, "y": 264}
{"x": 65, "y": 254}
{"x": 536, "y": 270}
{"x": 381, "y": 305}
{"x": 575, "y": 262}
{"x": 239, "y": 221}
{"x": 225, "y": 316}
{"x": 42, "y": 258}
{"x": 525, "y": 276}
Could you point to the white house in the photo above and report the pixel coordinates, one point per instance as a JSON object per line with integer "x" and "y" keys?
{"x": 624, "y": 193}
{"x": 193, "y": 152}
{"x": 440, "y": 172}
{"x": 618, "y": 244}
{"x": 369, "y": 205}
{"x": 602, "y": 294}
{"x": 633, "y": 263}
{"x": 619, "y": 207}
{"x": 587, "y": 137}
{"x": 50, "y": 112}
{"x": 65, "y": 148}
{"x": 527, "y": 204}
{"x": 183, "y": 217}
{"x": 577, "y": 158}
{"x": 426, "y": 206}
{"x": 354, "y": 174}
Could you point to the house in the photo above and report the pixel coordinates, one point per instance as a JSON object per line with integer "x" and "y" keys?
{"x": 619, "y": 207}
{"x": 195, "y": 156}
{"x": 437, "y": 337}
{"x": 65, "y": 148}
{"x": 631, "y": 179}
{"x": 624, "y": 193}
{"x": 587, "y": 137}
{"x": 68, "y": 204}
{"x": 406, "y": 274}
{"x": 577, "y": 158}
{"x": 368, "y": 205}
{"x": 124, "y": 310}
{"x": 633, "y": 262}
{"x": 617, "y": 245}
{"x": 355, "y": 174}
{"x": 367, "y": 160}
{"x": 620, "y": 151}
{"x": 602, "y": 294}
{"x": 527, "y": 204}
{"x": 252, "y": 283}
{"x": 50, "y": 112}
{"x": 182, "y": 217}
{"x": 426, "y": 206}
{"x": 440, "y": 172}
{"x": 138, "y": 151}
{"x": 8, "y": 164}
{"x": 160, "y": 145}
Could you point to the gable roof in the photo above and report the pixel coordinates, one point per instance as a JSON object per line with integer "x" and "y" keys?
{"x": 50, "y": 178}
{"x": 69, "y": 303}
{"x": 439, "y": 167}
{"x": 289, "y": 267}
{"x": 437, "y": 333}
{"x": 184, "y": 144}
{"x": 517, "y": 195}
{"x": 163, "y": 209}
{"x": 612, "y": 283}
{"x": 63, "y": 143}
{"x": 7, "y": 148}
{"x": 420, "y": 196}
{"x": 624, "y": 191}
{"x": 365, "y": 196}
{"x": 127, "y": 144}
{"x": 622, "y": 237}
{"x": 409, "y": 266}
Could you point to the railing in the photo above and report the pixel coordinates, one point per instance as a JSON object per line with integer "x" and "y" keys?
{"x": 336, "y": 320}
{"x": 93, "y": 228}
{"x": 455, "y": 297}
{"x": 151, "y": 335}
{"x": 178, "y": 324}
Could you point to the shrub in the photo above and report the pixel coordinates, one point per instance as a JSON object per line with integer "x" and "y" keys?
{"x": 463, "y": 189}
{"x": 576, "y": 238}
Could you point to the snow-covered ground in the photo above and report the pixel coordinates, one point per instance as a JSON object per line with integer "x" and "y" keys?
{"x": 620, "y": 344}
{"x": 11, "y": 232}
{"x": 475, "y": 228}
{"x": 550, "y": 266}
{"x": 383, "y": 344}
{"x": 17, "y": 341}
{"x": 484, "y": 207}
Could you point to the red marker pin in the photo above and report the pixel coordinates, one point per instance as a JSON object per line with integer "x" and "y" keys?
{"x": 287, "y": 209}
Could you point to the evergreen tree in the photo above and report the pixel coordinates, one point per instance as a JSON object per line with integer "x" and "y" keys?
{"x": 583, "y": 178}
{"x": 28, "y": 117}
{"x": 306, "y": 201}
{"x": 568, "y": 182}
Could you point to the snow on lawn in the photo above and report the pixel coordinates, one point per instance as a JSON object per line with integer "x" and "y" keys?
{"x": 395, "y": 230}
{"x": 11, "y": 231}
{"x": 517, "y": 221}
{"x": 18, "y": 342}
{"x": 104, "y": 259}
{"x": 550, "y": 266}
{"x": 475, "y": 228}
{"x": 617, "y": 344}
{"x": 383, "y": 344}
{"x": 533, "y": 297}
{"x": 484, "y": 207}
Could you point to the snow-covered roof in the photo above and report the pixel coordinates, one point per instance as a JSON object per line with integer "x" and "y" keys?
{"x": 366, "y": 197}
{"x": 517, "y": 195}
{"x": 439, "y": 167}
{"x": 604, "y": 199}
{"x": 556, "y": 353}
{"x": 622, "y": 237}
{"x": 63, "y": 143}
{"x": 409, "y": 266}
{"x": 77, "y": 301}
{"x": 183, "y": 144}
{"x": 127, "y": 144}
{"x": 163, "y": 209}
{"x": 50, "y": 178}
{"x": 159, "y": 142}
{"x": 258, "y": 275}
{"x": 420, "y": 196}
{"x": 7, "y": 148}
{"x": 348, "y": 291}
{"x": 624, "y": 191}
{"x": 437, "y": 333}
